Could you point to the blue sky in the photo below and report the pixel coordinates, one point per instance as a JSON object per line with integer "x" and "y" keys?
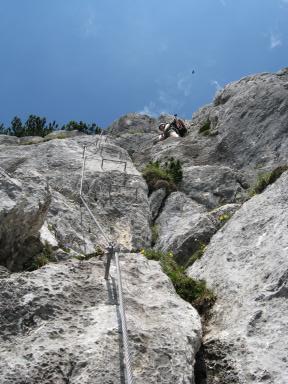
{"x": 95, "y": 60}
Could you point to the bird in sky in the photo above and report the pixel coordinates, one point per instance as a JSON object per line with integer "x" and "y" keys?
{"x": 193, "y": 71}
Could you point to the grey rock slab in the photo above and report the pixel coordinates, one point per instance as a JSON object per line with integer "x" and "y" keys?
{"x": 27, "y": 140}
{"x": 62, "y": 134}
{"x": 136, "y": 133}
{"x": 156, "y": 201}
{"x": 23, "y": 207}
{"x": 248, "y": 130}
{"x": 183, "y": 224}
{"x": 222, "y": 214}
{"x": 247, "y": 267}
{"x": 60, "y": 323}
{"x": 212, "y": 185}
{"x": 9, "y": 140}
{"x": 114, "y": 190}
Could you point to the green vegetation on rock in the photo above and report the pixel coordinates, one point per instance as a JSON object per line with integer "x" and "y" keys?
{"x": 266, "y": 179}
{"x": 196, "y": 255}
{"x": 191, "y": 290}
{"x": 163, "y": 176}
{"x": 38, "y": 126}
{"x": 89, "y": 129}
{"x": 155, "y": 233}
{"x": 99, "y": 252}
{"x": 205, "y": 128}
{"x": 225, "y": 217}
{"x": 45, "y": 257}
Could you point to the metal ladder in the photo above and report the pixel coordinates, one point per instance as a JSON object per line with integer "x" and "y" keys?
{"x": 112, "y": 254}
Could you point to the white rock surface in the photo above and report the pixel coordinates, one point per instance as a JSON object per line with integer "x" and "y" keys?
{"x": 60, "y": 324}
{"x": 122, "y": 209}
{"x": 23, "y": 208}
{"x": 156, "y": 200}
{"x": 246, "y": 264}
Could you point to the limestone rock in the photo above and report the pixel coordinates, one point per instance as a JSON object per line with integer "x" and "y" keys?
{"x": 60, "y": 324}
{"x": 27, "y": 140}
{"x": 222, "y": 214}
{"x": 156, "y": 200}
{"x": 114, "y": 189}
{"x": 212, "y": 185}
{"x": 182, "y": 225}
{"x": 136, "y": 133}
{"x": 246, "y": 265}
{"x": 247, "y": 132}
{"x": 11, "y": 140}
{"x": 23, "y": 207}
{"x": 62, "y": 134}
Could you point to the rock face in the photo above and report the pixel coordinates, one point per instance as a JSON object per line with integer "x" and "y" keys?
{"x": 243, "y": 133}
{"x": 60, "y": 324}
{"x": 246, "y": 265}
{"x": 116, "y": 192}
{"x": 184, "y": 225}
{"x": 23, "y": 207}
{"x": 156, "y": 200}
{"x": 136, "y": 133}
{"x": 212, "y": 185}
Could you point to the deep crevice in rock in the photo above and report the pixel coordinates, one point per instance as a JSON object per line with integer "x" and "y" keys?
{"x": 200, "y": 369}
{"x": 161, "y": 207}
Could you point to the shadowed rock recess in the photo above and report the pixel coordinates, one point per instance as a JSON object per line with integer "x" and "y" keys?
{"x": 59, "y": 319}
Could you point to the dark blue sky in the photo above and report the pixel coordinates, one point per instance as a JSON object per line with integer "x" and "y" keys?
{"x": 95, "y": 60}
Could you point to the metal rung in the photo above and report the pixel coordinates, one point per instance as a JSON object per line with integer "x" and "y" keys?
{"x": 114, "y": 161}
{"x": 111, "y": 253}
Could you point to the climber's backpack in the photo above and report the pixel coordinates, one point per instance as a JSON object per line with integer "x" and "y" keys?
{"x": 179, "y": 127}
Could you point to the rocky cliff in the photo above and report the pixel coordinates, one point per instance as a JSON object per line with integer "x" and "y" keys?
{"x": 246, "y": 264}
{"x": 60, "y": 322}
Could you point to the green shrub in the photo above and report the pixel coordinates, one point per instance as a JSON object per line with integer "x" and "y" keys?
{"x": 196, "y": 255}
{"x": 65, "y": 249}
{"x": 224, "y": 217}
{"x": 152, "y": 254}
{"x": 45, "y": 257}
{"x": 155, "y": 233}
{"x": 266, "y": 179}
{"x": 205, "y": 128}
{"x": 174, "y": 168}
{"x": 89, "y": 129}
{"x": 34, "y": 126}
{"x": 191, "y": 290}
{"x": 37, "y": 126}
{"x": 39, "y": 262}
{"x": 98, "y": 252}
{"x": 159, "y": 176}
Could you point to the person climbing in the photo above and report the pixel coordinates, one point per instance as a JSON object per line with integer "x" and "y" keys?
{"x": 167, "y": 130}
{"x": 174, "y": 129}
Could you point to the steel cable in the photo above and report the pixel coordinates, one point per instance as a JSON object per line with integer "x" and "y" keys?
{"x": 127, "y": 354}
{"x": 124, "y": 331}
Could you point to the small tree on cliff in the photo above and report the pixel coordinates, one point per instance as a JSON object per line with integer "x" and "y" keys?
{"x": 89, "y": 129}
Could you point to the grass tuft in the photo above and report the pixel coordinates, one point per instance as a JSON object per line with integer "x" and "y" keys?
{"x": 205, "y": 128}
{"x": 45, "y": 257}
{"x": 192, "y": 290}
{"x": 266, "y": 179}
{"x": 196, "y": 255}
{"x": 163, "y": 176}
